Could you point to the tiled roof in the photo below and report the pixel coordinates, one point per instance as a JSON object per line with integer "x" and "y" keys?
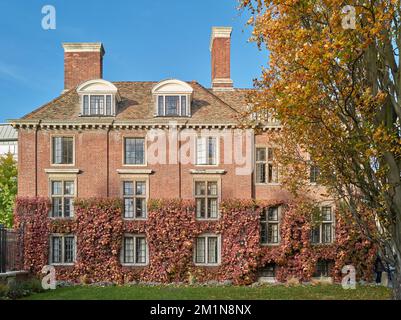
{"x": 137, "y": 104}
{"x": 7, "y": 132}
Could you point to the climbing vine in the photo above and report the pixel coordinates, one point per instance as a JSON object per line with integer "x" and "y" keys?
{"x": 171, "y": 229}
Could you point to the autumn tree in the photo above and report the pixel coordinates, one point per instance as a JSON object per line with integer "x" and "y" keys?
{"x": 334, "y": 83}
{"x": 8, "y": 188}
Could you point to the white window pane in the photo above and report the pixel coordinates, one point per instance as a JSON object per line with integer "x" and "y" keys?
{"x": 69, "y": 249}
{"x": 129, "y": 250}
{"x": 140, "y": 188}
{"x": 200, "y": 188}
{"x": 140, "y": 208}
{"x": 201, "y": 151}
{"x": 56, "y": 249}
{"x": 200, "y": 250}
{"x": 69, "y": 187}
{"x": 212, "y": 250}
{"x": 212, "y": 208}
{"x": 128, "y": 208}
{"x": 212, "y": 151}
{"x": 201, "y": 208}
{"x": 140, "y": 250}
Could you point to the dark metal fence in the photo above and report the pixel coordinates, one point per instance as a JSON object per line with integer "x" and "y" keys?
{"x": 10, "y": 250}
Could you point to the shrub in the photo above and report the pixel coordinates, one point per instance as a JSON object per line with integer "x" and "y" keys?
{"x": 3, "y": 291}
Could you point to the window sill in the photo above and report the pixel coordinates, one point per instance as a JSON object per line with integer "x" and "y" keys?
{"x": 322, "y": 244}
{"x": 270, "y": 244}
{"x": 135, "y": 171}
{"x": 207, "y": 171}
{"x": 135, "y": 219}
{"x": 62, "y": 171}
{"x": 207, "y": 219}
{"x": 207, "y": 264}
{"x": 134, "y": 264}
{"x": 62, "y": 164}
{"x": 63, "y": 264}
{"x": 62, "y": 218}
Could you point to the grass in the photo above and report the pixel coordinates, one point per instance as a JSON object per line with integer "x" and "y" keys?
{"x": 279, "y": 292}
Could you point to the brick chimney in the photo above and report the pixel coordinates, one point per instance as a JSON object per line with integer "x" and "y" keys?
{"x": 82, "y": 61}
{"x": 220, "y": 49}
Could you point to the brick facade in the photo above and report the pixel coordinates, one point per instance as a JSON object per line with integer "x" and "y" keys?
{"x": 98, "y": 168}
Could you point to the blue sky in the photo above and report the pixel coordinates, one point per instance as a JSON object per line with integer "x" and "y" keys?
{"x": 144, "y": 40}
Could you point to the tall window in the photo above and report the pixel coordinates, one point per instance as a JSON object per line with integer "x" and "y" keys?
{"x": 172, "y": 105}
{"x": 62, "y": 195}
{"x": 135, "y": 250}
{"x": 323, "y": 232}
{"x": 314, "y": 173}
{"x": 62, "y": 249}
{"x": 260, "y": 165}
{"x": 270, "y": 226}
{"x": 206, "y": 197}
{"x": 266, "y": 168}
{"x": 62, "y": 150}
{"x": 207, "y": 250}
{"x": 134, "y": 151}
{"x": 206, "y": 151}
{"x": 134, "y": 194}
{"x": 98, "y": 105}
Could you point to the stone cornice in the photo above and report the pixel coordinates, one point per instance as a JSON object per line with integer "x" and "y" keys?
{"x": 86, "y": 123}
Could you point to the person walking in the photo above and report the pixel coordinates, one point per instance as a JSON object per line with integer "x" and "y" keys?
{"x": 379, "y": 268}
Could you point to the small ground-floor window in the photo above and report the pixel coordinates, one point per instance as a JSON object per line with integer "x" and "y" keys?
{"x": 62, "y": 249}
{"x": 135, "y": 250}
{"x": 207, "y": 250}
{"x": 323, "y": 268}
{"x": 269, "y": 271}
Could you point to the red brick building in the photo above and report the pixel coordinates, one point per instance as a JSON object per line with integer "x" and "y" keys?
{"x": 151, "y": 140}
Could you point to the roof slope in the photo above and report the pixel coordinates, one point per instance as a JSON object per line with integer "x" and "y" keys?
{"x": 137, "y": 105}
{"x": 7, "y": 132}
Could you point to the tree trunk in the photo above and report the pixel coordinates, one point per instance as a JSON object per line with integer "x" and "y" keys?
{"x": 396, "y": 281}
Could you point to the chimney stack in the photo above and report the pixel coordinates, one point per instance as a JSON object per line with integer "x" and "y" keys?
{"x": 82, "y": 61}
{"x": 220, "y": 42}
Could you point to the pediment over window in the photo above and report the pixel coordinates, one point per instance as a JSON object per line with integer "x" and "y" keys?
{"x": 98, "y": 97}
{"x": 172, "y": 98}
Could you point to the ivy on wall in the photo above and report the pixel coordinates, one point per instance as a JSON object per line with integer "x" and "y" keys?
{"x": 170, "y": 231}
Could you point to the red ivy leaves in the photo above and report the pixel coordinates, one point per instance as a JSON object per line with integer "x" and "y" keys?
{"x": 170, "y": 231}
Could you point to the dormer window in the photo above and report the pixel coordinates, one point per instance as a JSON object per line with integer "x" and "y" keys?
{"x": 98, "y": 105}
{"x": 172, "y": 98}
{"x": 98, "y": 98}
{"x": 173, "y": 106}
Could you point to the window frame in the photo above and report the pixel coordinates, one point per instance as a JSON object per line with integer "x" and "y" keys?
{"x": 52, "y": 136}
{"x": 179, "y": 114}
{"x": 267, "y": 163}
{"x": 62, "y": 236}
{"x": 207, "y": 236}
{"x": 104, "y": 114}
{"x": 62, "y": 179}
{"x": 328, "y": 266}
{"x": 314, "y": 173}
{"x": 217, "y": 151}
{"x": 206, "y": 197}
{"x": 122, "y": 254}
{"x": 145, "y": 159}
{"x": 134, "y": 180}
{"x": 320, "y": 228}
{"x": 266, "y": 222}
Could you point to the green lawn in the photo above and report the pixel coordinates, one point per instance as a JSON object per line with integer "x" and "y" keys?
{"x": 280, "y": 292}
